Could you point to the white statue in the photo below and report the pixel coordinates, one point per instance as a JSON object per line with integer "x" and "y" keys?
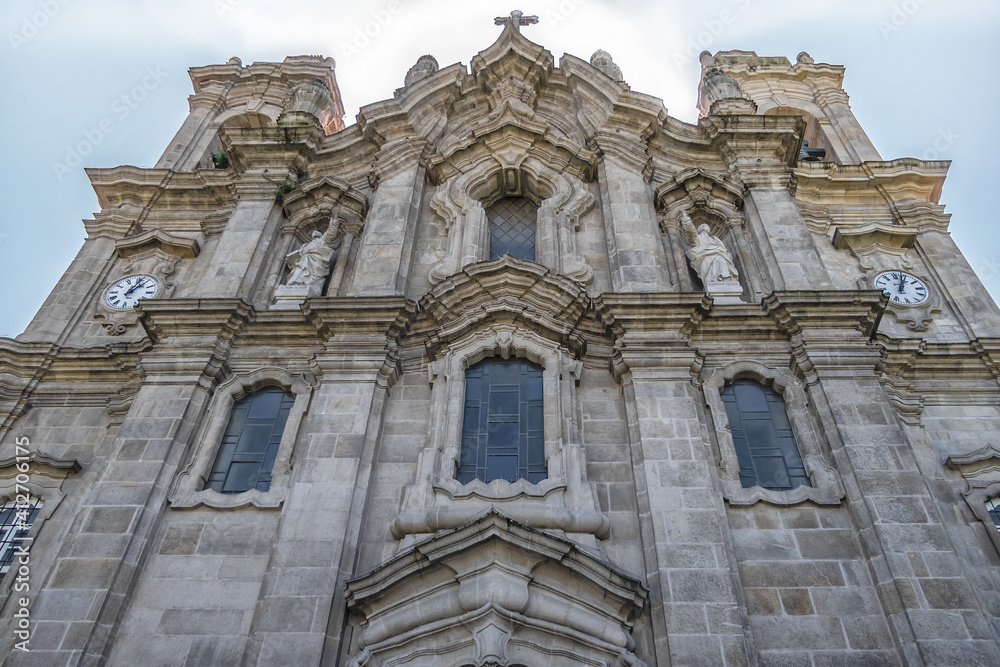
{"x": 708, "y": 255}
{"x": 311, "y": 263}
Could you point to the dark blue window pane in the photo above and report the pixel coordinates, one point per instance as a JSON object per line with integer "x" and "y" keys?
{"x": 250, "y": 444}
{"x": 763, "y": 438}
{"x": 993, "y": 507}
{"x": 506, "y": 440}
{"x": 512, "y": 228}
{"x": 502, "y": 467}
{"x": 504, "y": 402}
{"x": 15, "y": 523}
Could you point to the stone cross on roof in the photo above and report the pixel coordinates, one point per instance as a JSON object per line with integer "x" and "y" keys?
{"x": 516, "y": 19}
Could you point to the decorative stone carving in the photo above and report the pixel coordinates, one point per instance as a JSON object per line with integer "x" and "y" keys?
{"x": 502, "y": 594}
{"x": 564, "y": 200}
{"x": 602, "y": 61}
{"x": 424, "y": 67}
{"x": 719, "y": 93}
{"x": 309, "y": 266}
{"x": 480, "y": 313}
{"x": 314, "y": 100}
{"x": 150, "y": 260}
{"x": 710, "y": 259}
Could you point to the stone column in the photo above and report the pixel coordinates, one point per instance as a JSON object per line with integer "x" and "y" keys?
{"x": 238, "y": 259}
{"x": 780, "y": 232}
{"x": 304, "y": 585}
{"x": 178, "y": 154}
{"x": 385, "y": 250}
{"x": 635, "y": 251}
{"x": 547, "y": 238}
{"x": 300, "y": 616}
{"x": 846, "y": 128}
{"x": 685, "y": 541}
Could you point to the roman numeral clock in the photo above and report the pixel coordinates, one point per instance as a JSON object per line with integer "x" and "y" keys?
{"x": 903, "y": 289}
{"x": 114, "y": 306}
{"x": 128, "y": 291}
{"x": 910, "y": 298}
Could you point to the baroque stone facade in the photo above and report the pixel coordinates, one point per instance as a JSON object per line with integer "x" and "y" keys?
{"x": 721, "y": 400}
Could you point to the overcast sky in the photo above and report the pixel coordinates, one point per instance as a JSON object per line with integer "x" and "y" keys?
{"x": 99, "y": 83}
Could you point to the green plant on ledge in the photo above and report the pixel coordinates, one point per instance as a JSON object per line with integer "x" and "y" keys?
{"x": 283, "y": 189}
{"x": 220, "y": 160}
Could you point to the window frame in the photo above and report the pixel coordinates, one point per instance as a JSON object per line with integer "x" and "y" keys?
{"x": 45, "y": 479}
{"x": 189, "y": 489}
{"x": 502, "y": 341}
{"x": 826, "y": 488}
{"x": 237, "y": 453}
{"x": 980, "y": 473}
{"x": 36, "y": 508}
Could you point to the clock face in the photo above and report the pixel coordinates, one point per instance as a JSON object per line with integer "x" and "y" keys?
{"x": 127, "y": 292}
{"x": 902, "y": 288}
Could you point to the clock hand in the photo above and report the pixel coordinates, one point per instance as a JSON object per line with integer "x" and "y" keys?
{"x": 134, "y": 287}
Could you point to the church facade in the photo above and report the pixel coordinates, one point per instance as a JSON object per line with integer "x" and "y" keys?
{"x": 516, "y": 370}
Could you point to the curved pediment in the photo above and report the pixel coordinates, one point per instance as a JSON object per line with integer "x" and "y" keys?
{"x": 320, "y": 197}
{"x": 515, "y": 594}
{"x": 506, "y": 290}
{"x": 700, "y": 187}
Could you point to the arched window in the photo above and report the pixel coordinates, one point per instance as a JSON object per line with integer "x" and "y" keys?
{"x": 502, "y": 434}
{"x": 512, "y": 228}
{"x": 762, "y": 435}
{"x": 993, "y": 507}
{"x": 250, "y": 444}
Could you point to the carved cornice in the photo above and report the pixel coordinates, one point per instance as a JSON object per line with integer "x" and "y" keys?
{"x": 989, "y": 454}
{"x": 45, "y": 464}
{"x": 260, "y": 155}
{"x": 935, "y": 367}
{"x": 157, "y": 239}
{"x": 874, "y": 233}
{"x": 757, "y": 149}
{"x": 205, "y": 190}
{"x": 506, "y": 289}
{"x": 871, "y": 182}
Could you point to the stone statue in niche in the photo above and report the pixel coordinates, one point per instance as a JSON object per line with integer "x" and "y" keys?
{"x": 311, "y": 262}
{"x": 710, "y": 259}
{"x": 708, "y": 255}
{"x": 309, "y": 266}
